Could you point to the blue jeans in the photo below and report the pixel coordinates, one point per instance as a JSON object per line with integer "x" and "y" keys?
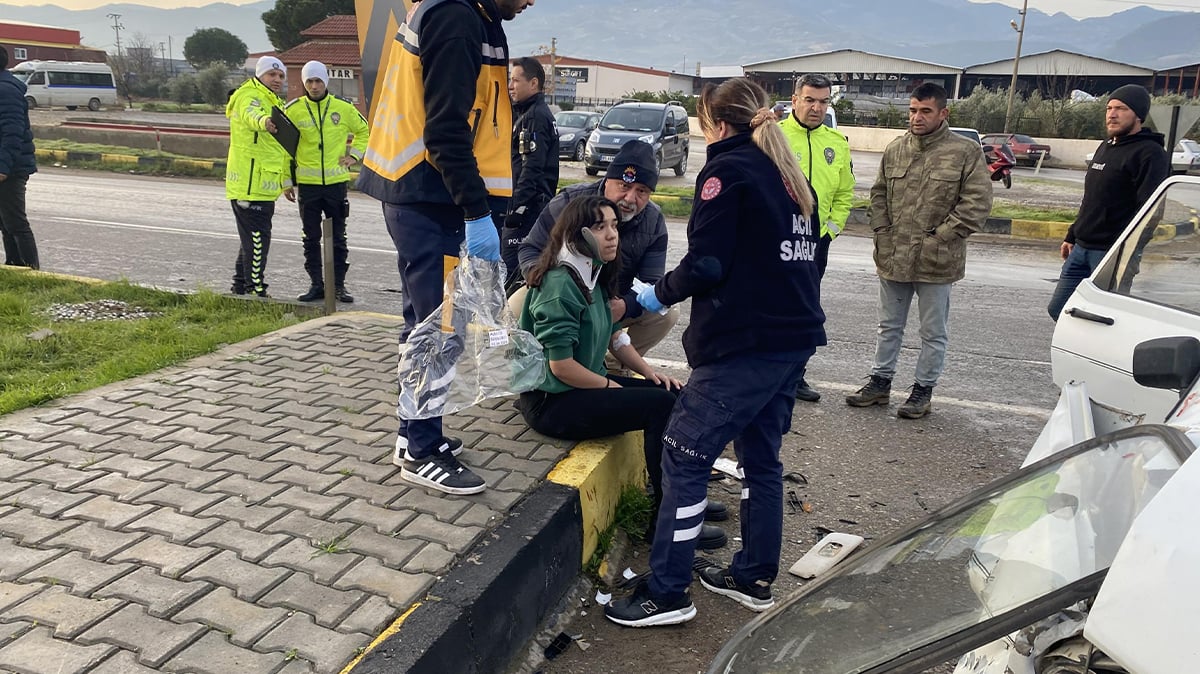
{"x": 426, "y": 249}
{"x": 933, "y": 306}
{"x": 1079, "y": 265}
{"x": 747, "y": 400}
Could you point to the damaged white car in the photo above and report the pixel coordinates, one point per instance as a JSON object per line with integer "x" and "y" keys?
{"x": 1082, "y": 562}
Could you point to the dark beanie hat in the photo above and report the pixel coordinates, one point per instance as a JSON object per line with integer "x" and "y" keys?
{"x": 634, "y": 164}
{"x": 1136, "y": 97}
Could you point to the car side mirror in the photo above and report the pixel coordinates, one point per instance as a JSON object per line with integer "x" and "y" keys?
{"x": 988, "y": 149}
{"x": 1167, "y": 363}
{"x": 668, "y": 131}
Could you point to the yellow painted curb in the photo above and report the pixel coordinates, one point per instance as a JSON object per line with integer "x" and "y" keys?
{"x": 194, "y": 163}
{"x": 1037, "y": 229}
{"x": 118, "y": 158}
{"x": 392, "y": 629}
{"x": 64, "y": 277}
{"x": 1164, "y": 233}
{"x": 599, "y": 470}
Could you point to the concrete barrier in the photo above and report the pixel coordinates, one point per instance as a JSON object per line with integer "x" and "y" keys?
{"x": 175, "y": 141}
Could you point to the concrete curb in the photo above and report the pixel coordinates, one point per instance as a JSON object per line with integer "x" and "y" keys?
{"x": 1049, "y": 231}
{"x": 484, "y": 611}
{"x": 126, "y": 161}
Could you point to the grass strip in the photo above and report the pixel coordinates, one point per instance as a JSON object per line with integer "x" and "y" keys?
{"x": 73, "y": 355}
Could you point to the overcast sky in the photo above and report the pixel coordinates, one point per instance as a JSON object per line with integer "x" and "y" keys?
{"x": 1076, "y": 8}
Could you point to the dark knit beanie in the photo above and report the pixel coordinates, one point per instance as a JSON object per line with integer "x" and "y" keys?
{"x": 634, "y": 164}
{"x": 1136, "y": 97}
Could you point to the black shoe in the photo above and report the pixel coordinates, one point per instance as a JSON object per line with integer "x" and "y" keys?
{"x": 711, "y": 537}
{"x": 756, "y": 597}
{"x": 441, "y": 471}
{"x": 314, "y": 294}
{"x": 918, "y": 403}
{"x": 453, "y": 445}
{"x": 715, "y": 512}
{"x": 642, "y": 610}
{"x": 806, "y": 393}
{"x": 877, "y": 392}
{"x": 237, "y": 289}
{"x": 343, "y": 296}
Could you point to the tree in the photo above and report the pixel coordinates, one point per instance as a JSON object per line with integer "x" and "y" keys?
{"x": 289, "y": 17}
{"x": 214, "y": 45}
{"x": 183, "y": 89}
{"x": 213, "y": 85}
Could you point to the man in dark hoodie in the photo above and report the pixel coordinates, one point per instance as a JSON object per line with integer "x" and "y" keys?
{"x": 1123, "y": 173}
{"x": 16, "y": 165}
{"x": 534, "y": 158}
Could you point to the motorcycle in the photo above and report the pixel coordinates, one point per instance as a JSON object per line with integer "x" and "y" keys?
{"x": 1000, "y": 162}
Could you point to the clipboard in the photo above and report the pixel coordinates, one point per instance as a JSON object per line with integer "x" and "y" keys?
{"x": 286, "y": 132}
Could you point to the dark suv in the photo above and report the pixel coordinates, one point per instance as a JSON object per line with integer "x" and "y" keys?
{"x": 663, "y": 125}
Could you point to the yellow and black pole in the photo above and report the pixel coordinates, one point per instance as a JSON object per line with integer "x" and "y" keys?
{"x": 378, "y": 22}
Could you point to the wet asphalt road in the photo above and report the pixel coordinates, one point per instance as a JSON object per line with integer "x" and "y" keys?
{"x": 988, "y": 406}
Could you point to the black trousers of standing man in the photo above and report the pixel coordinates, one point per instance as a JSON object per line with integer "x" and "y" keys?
{"x": 254, "y": 230}
{"x": 318, "y": 202}
{"x": 20, "y": 248}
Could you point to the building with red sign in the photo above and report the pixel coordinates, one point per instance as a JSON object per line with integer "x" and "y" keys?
{"x": 33, "y": 42}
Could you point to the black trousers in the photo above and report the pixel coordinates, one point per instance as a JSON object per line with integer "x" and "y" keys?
{"x": 20, "y": 247}
{"x": 586, "y": 414}
{"x": 318, "y": 202}
{"x": 254, "y": 230}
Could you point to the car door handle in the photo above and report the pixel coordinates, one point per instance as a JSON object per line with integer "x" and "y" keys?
{"x": 1089, "y": 316}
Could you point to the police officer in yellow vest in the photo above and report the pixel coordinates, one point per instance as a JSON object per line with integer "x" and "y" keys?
{"x": 323, "y": 163}
{"x": 439, "y": 162}
{"x": 257, "y": 171}
{"x": 824, "y": 156}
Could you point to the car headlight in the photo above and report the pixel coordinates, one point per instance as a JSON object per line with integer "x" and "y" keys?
{"x": 648, "y": 139}
{"x": 566, "y": 138}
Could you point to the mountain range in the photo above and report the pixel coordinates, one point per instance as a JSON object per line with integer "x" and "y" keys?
{"x": 675, "y": 36}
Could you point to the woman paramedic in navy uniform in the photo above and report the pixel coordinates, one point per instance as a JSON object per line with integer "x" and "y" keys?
{"x": 756, "y": 318}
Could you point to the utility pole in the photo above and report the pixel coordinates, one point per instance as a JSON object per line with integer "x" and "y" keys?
{"x": 117, "y": 28}
{"x": 1012, "y": 87}
{"x": 552, "y": 77}
{"x": 171, "y": 55}
{"x": 162, "y": 49}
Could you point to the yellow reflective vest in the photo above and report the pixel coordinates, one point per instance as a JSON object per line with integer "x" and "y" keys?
{"x": 416, "y": 130}
{"x": 257, "y": 168}
{"x": 824, "y": 156}
{"x": 325, "y": 126}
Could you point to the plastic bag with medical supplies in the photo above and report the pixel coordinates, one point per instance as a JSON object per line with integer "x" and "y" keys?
{"x": 469, "y": 349}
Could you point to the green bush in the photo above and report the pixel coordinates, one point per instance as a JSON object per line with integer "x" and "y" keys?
{"x": 183, "y": 89}
{"x": 211, "y": 84}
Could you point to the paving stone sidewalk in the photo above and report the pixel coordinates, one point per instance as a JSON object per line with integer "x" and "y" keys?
{"x": 238, "y": 514}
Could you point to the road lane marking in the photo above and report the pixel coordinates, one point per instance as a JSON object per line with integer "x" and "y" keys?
{"x": 1036, "y": 412}
{"x": 178, "y": 230}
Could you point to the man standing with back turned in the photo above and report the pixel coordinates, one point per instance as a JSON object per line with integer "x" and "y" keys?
{"x": 439, "y": 161}
{"x": 1122, "y": 175}
{"x": 824, "y": 156}
{"x": 932, "y": 192}
{"x": 17, "y": 163}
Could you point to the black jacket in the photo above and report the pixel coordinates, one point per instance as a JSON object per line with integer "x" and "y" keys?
{"x": 1123, "y": 174}
{"x": 534, "y": 160}
{"x": 643, "y": 248}
{"x": 751, "y": 267}
{"x": 16, "y": 138}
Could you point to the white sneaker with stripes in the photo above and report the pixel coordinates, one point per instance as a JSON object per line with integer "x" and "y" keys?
{"x": 453, "y": 444}
{"x": 441, "y": 471}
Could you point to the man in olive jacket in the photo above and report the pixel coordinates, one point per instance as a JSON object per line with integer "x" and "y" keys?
{"x": 932, "y": 192}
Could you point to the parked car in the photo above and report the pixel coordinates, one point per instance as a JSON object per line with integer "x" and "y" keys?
{"x": 574, "y": 127}
{"x": 968, "y": 133}
{"x": 1024, "y": 148}
{"x": 1186, "y": 157}
{"x": 1083, "y": 560}
{"x": 663, "y": 125}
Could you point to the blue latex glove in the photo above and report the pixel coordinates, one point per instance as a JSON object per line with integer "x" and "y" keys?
{"x": 649, "y": 300}
{"x": 483, "y": 239}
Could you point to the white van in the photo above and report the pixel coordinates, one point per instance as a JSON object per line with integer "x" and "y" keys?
{"x": 67, "y": 83}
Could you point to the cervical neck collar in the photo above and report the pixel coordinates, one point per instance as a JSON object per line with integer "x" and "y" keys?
{"x": 587, "y": 268}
